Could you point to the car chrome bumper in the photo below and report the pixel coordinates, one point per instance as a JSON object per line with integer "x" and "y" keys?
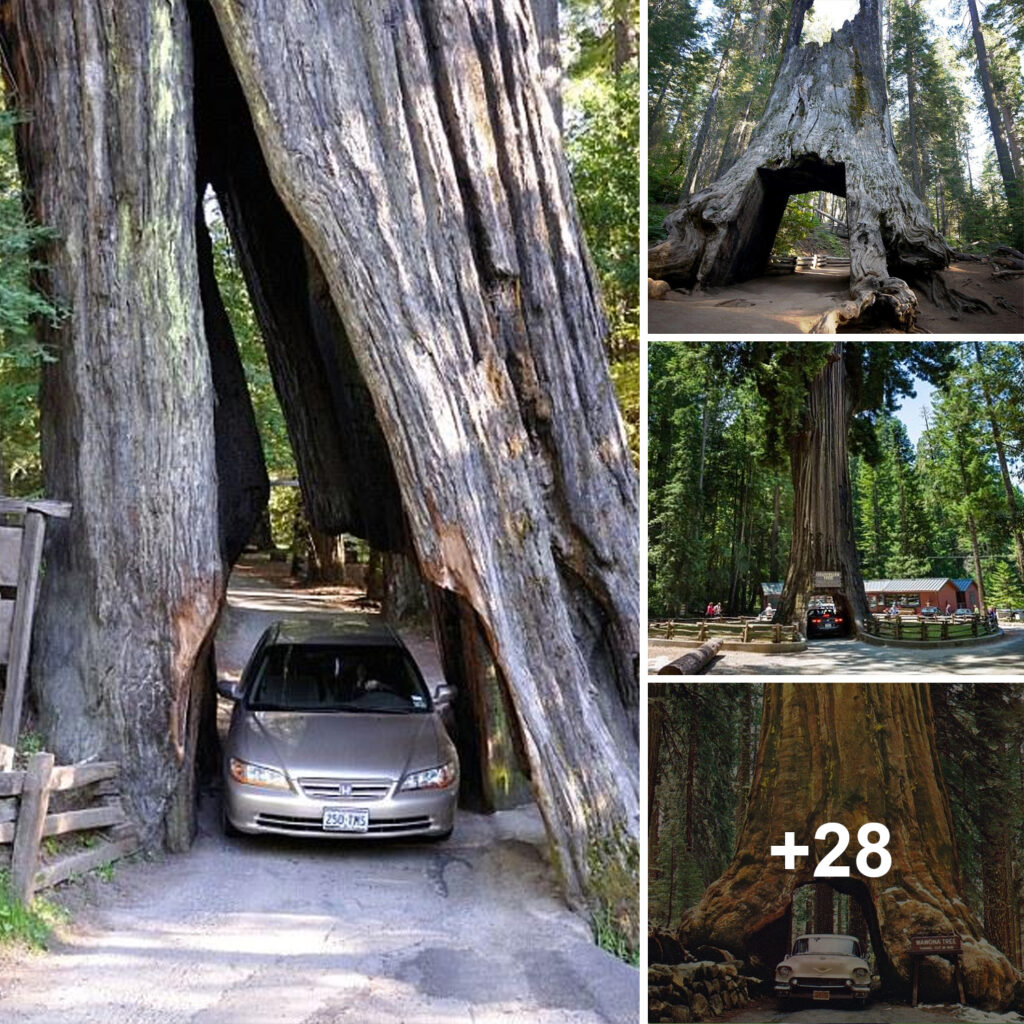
{"x": 415, "y": 813}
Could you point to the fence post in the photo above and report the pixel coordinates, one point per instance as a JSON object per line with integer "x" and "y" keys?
{"x": 35, "y": 799}
{"x": 669, "y": 629}
{"x": 6, "y": 758}
{"x": 21, "y": 627}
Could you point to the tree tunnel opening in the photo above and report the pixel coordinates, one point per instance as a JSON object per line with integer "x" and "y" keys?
{"x": 752, "y": 234}
{"x": 343, "y": 464}
{"x": 841, "y": 906}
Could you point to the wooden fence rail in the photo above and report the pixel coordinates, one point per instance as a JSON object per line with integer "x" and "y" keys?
{"x": 26, "y": 819}
{"x": 939, "y": 628}
{"x": 741, "y": 630}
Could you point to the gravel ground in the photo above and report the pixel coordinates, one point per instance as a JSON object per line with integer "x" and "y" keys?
{"x": 876, "y": 1012}
{"x": 261, "y": 930}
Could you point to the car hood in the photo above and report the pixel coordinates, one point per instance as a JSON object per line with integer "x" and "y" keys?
{"x": 810, "y": 965}
{"x": 361, "y": 745}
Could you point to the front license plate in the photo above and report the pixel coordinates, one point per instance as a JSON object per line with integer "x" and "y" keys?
{"x": 821, "y": 996}
{"x": 337, "y": 820}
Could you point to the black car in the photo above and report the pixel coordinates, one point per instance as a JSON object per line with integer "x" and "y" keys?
{"x": 824, "y": 620}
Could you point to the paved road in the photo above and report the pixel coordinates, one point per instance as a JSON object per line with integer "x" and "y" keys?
{"x": 268, "y": 931}
{"x": 1003, "y": 656}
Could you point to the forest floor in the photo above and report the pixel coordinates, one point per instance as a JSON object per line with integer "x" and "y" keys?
{"x": 792, "y": 303}
{"x": 878, "y": 1012}
{"x": 1004, "y": 655}
{"x": 262, "y": 929}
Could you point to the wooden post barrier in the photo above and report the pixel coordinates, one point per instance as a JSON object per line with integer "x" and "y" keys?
{"x": 35, "y": 799}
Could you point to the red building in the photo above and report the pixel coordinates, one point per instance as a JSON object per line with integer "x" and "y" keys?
{"x": 912, "y": 595}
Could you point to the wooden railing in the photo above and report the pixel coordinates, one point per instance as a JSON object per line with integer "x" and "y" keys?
{"x": 738, "y": 630}
{"x": 938, "y": 628}
{"x": 789, "y": 264}
{"x": 89, "y": 803}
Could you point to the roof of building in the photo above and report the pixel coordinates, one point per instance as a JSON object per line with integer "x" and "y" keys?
{"x": 962, "y": 584}
{"x": 925, "y": 585}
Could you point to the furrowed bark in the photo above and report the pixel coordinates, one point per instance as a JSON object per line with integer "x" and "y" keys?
{"x": 428, "y": 181}
{"x": 826, "y": 126}
{"x": 852, "y": 753}
{"x": 823, "y": 536}
{"x": 134, "y": 579}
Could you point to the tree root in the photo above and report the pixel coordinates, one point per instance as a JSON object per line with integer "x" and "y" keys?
{"x": 945, "y": 297}
{"x": 875, "y": 301}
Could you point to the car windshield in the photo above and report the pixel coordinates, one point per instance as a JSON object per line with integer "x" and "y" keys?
{"x": 315, "y": 677}
{"x": 834, "y": 945}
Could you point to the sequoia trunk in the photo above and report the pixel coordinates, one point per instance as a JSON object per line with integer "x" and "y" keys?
{"x": 826, "y": 127}
{"x": 853, "y": 754}
{"x": 394, "y": 183}
{"x": 134, "y": 579}
{"x": 823, "y": 557}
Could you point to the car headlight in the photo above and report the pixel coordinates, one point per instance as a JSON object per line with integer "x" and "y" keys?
{"x": 783, "y": 972}
{"x": 861, "y": 974}
{"x": 257, "y": 775}
{"x": 430, "y": 778}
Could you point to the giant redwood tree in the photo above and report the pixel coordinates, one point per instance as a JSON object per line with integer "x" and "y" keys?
{"x": 392, "y": 178}
{"x": 852, "y": 754}
{"x": 822, "y": 398}
{"x": 825, "y": 128}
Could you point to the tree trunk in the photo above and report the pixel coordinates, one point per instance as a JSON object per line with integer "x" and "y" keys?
{"x": 135, "y": 578}
{"x": 1003, "y": 158}
{"x": 545, "y": 16}
{"x": 326, "y": 557}
{"x": 824, "y": 909}
{"x": 421, "y": 214}
{"x": 823, "y": 532}
{"x": 1008, "y": 489}
{"x": 826, "y": 127}
{"x": 852, "y": 754}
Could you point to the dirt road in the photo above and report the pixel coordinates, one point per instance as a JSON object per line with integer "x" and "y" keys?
{"x": 255, "y": 931}
{"x": 877, "y": 1012}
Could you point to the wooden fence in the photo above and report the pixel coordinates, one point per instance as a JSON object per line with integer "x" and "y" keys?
{"x": 734, "y": 630}
{"x": 22, "y": 529}
{"x": 789, "y": 264}
{"x": 939, "y": 628}
{"x": 88, "y": 799}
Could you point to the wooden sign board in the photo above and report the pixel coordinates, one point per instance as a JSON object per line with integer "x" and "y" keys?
{"x": 935, "y": 944}
{"x": 828, "y": 579}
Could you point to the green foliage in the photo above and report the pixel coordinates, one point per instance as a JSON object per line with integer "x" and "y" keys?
{"x": 21, "y": 304}
{"x": 601, "y": 117}
{"x": 798, "y": 223}
{"x": 21, "y": 925}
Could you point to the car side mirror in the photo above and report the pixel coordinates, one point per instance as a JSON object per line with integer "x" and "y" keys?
{"x": 230, "y": 688}
{"x": 444, "y": 693}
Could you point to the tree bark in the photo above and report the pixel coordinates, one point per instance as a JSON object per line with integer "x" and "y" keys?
{"x": 853, "y": 754}
{"x": 823, "y": 531}
{"x": 135, "y": 578}
{"x": 434, "y": 177}
{"x": 420, "y": 237}
{"x": 826, "y": 126}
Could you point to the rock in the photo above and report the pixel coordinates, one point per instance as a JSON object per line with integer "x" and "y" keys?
{"x": 681, "y": 1014}
{"x": 657, "y": 289}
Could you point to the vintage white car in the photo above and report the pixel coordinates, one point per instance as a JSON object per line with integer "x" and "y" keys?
{"x": 825, "y": 969}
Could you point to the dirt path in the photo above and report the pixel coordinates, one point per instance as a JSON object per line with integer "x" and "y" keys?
{"x": 279, "y": 931}
{"x": 791, "y": 304}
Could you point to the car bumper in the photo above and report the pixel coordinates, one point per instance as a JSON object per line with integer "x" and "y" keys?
{"x": 836, "y": 990}
{"x": 428, "y": 812}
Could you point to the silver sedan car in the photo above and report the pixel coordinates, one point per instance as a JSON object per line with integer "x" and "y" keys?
{"x": 334, "y": 733}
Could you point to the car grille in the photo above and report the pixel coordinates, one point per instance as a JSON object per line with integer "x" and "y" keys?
{"x": 362, "y": 790}
{"x": 822, "y": 983}
{"x": 388, "y": 826}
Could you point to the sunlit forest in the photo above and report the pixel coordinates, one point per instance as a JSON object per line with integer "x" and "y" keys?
{"x": 949, "y": 503}
{"x": 956, "y": 93}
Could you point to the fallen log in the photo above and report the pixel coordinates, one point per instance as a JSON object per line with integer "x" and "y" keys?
{"x": 692, "y": 661}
